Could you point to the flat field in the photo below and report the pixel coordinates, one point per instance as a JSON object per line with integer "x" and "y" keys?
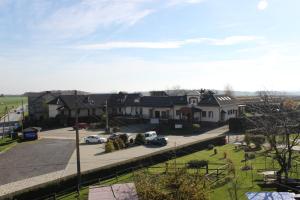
{"x": 11, "y": 102}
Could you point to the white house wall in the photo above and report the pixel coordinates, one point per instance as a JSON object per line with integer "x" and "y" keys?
{"x": 146, "y": 112}
{"x": 216, "y": 114}
{"x": 226, "y": 108}
{"x": 176, "y": 108}
{"x": 53, "y": 112}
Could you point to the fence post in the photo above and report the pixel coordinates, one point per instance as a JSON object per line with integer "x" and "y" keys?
{"x": 297, "y": 170}
{"x": 167, "y": 167}
{"x": 117, "y": 177}
{"x": 252, "y": 173}
{"x": 206, "y": 169}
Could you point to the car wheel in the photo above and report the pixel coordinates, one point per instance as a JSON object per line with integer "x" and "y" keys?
{"x": 87, "y": 141}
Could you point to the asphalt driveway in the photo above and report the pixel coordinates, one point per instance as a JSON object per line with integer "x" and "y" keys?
{"x": 29, "y": 159}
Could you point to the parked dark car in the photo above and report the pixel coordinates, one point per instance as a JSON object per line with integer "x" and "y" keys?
{"x": 81, "y": 126}
{"x": 31, "y": 133}
{"x": 159, "y": 141}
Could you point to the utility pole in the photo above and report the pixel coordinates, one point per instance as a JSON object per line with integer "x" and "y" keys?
{"x": 3, "y": 127}
{"x": 77, "y": 144}
{"x": 4, "y": 120}
{"x": 106, "y": 116}
{"x": 7, "y": 112}
{"x": 23, "y": 116}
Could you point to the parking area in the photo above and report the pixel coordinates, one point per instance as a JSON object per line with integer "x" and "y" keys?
{"x": 65, "y": 133}
{"x": 69, "y": 133}
{"x": 93, "y": 156}
{"x": 54, "y": 156}
{"x": 34, "y": 158}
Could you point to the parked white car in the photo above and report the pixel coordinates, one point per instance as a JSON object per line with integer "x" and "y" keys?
{"x": 94, "y": 139}
{"x": 150, "y": 135}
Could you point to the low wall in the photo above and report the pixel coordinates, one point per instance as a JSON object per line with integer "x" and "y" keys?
{"x": 48, "y": 189}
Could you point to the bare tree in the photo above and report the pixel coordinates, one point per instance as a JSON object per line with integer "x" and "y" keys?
{"x": 228, "y": 90}
{"x": 280, "y": 125}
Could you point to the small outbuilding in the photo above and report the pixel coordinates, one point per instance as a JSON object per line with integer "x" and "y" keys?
{"x": 125, "y": 191}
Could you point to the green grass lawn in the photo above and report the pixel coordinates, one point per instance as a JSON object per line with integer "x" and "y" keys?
{"x": 6, "y": 143}
{"x": 11, "y": 102}
{"x": 246, "y": 180}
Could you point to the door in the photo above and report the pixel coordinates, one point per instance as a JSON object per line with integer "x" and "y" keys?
{"x": 222, "y": 116}
{"x": 157, "y": 114}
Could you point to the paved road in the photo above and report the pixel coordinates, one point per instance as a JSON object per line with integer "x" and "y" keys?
{"x": 92, "y": 156}
{"x": 35, "y": 158}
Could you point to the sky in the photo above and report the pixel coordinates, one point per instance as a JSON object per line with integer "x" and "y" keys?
{"x": 141, "y": 45}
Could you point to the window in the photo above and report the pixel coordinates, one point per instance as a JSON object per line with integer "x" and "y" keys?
{"x": 210, "y": 114}
{"x": 164, "y": 114}
{"x": 203, "y": 113}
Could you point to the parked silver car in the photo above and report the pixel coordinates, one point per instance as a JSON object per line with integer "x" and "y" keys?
{"x": 94, "y": 139}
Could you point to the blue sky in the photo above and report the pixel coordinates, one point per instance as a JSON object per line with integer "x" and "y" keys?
{"x": 139, "y": 45}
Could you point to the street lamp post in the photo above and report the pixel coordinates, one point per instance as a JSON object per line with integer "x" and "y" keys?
{"x": 5, "y": 113}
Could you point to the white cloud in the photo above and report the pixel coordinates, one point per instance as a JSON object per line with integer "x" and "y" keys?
{"x": 175, "y": 2}
{"x": 262, "y": 4}
{"x": 86, "y": 16}
{"x": 233, "y": 40}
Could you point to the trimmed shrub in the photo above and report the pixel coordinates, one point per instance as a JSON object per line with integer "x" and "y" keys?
{"x": 109, "y": 147}
{"x": 246, "y": 148}
{"x": 120, "y": 143}
{"x": 246, "y": 168}
{"x": 210, "y": 146}
{"x": 215, "y": 151}
{"x": 251, "y": 156}
{"x": 196, "y": 126}
{"x": 116, "y": 144}
{"x": 124, "y": 137}
{"x": 194, "y": 164}
{"x": 140, "y": 139}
